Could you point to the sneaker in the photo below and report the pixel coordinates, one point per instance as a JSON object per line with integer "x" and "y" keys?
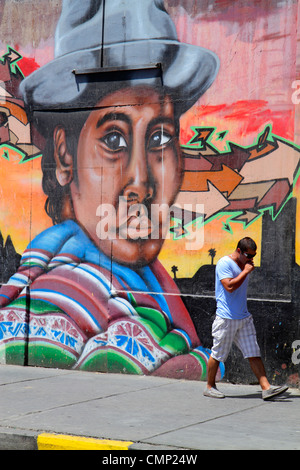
{"x": 273, "y": 391}
{"x": 213, "y": 392}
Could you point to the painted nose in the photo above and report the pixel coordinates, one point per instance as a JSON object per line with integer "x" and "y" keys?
{"x": 138, "y": 186}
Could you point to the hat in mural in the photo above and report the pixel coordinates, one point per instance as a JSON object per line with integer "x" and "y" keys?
{"x": 135, "y": 32}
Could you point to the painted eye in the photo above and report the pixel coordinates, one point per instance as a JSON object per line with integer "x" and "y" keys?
{"x": 114, "y": 141}
{"x": 159, "y": 139}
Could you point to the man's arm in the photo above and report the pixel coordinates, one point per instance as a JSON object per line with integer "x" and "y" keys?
{"x": 231, "y": 284}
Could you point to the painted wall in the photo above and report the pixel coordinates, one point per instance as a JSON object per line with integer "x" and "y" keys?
{"x": 139, "y": 141}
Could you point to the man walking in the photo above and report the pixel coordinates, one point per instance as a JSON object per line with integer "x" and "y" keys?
{"x": 233, "y": 322}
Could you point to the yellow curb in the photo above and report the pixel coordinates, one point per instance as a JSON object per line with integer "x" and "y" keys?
{"x": 47, "y": 441}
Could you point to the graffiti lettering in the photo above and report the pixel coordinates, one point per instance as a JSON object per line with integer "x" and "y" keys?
{"x": 296, "y": 353}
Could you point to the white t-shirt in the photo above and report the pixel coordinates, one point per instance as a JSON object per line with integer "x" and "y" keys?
{"x": 230, "y": 305}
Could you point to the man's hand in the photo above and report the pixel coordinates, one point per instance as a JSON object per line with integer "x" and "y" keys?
{"x": 249, "y": 266}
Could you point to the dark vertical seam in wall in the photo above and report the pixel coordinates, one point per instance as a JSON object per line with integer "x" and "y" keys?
{"x": 102, "y": 39}
{"x": 27, "y": 322}
{"x": 27, "y": 308}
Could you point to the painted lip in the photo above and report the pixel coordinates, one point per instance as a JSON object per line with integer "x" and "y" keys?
{"x": 135, "y": 221}
{"x": 136, "y": 227}
{"x": 141, "y": 221}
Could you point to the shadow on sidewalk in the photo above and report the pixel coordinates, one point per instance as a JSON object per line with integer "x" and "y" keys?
{"x": 284, "y": 398}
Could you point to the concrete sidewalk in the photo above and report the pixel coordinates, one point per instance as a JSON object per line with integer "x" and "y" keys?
{"x": 137, "y": 412}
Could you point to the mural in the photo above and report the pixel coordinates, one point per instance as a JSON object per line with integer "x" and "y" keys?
{"x": 138, "y": 146}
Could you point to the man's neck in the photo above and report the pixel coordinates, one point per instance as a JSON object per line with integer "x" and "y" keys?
{"x": 236, "y": 258}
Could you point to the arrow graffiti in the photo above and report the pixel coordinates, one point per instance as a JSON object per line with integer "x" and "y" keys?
{"x": 242, "y": 182}
{"x": 15, "y": 133}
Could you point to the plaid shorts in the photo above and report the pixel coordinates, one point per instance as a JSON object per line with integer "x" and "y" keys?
{"x": 241, "y": 332}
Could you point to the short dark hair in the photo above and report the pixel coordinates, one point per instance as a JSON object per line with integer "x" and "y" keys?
{"x": 246, "y": 243}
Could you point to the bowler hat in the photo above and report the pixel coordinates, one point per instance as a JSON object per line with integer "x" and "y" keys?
{"x": 94, "y": 35}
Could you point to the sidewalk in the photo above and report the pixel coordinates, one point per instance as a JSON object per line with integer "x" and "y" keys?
{"x": 137, "y": 412}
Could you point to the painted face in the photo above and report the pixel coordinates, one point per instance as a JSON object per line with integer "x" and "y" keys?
{"x": 129, "y": 170}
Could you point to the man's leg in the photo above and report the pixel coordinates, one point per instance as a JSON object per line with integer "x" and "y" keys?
{"x": 247, "y": 342}
{"x": 223, "y": 334}
{"x": 258, "y": 369}
{"x": 212, "y": 370}
{"x": 211, "y": 389}
{"x": 268, "y": 391}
